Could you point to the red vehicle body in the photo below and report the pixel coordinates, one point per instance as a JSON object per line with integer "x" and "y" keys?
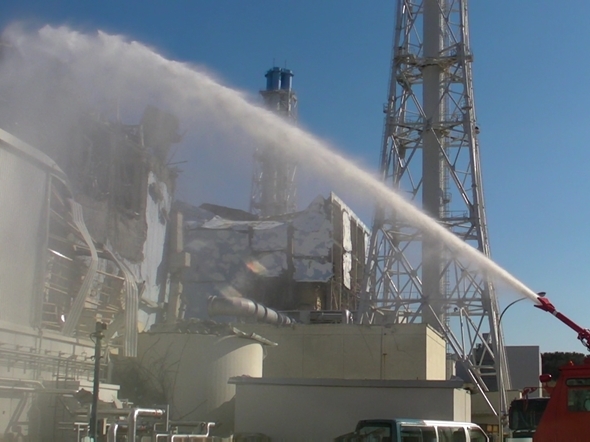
{"x": 565, "y": 415}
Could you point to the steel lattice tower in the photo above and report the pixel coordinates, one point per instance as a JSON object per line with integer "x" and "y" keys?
{"x": 273, "y": 182}
{"x": 430, "y": 153}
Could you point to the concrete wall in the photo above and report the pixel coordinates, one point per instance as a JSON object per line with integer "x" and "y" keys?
{"x": 321, "y": 409}
{"x": 408, "y": 351}
{"x": 524, "y": 363}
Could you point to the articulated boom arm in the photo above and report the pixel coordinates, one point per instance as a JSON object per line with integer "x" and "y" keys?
{"x": 583, "y": 333}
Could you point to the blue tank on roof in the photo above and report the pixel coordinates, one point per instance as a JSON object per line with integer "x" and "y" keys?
{"x": 273, "y": 79}
{"x": 286, "y": 79}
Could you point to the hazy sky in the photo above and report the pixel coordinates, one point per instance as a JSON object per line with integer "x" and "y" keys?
{"x": 532, "y": 88}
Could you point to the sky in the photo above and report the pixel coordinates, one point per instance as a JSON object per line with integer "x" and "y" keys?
{"x": 531, "y": 81}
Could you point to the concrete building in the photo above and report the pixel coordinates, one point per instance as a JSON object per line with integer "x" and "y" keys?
{"x": 321, "y": 409}
{"x": 524, "y": 363}
{"x": 341, "y": 351}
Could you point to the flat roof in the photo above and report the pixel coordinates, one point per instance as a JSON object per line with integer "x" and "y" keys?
{"x": 367, "y": 383}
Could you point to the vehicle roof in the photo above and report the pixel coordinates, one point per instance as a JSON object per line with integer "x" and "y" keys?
{"x": 423, "y": 422}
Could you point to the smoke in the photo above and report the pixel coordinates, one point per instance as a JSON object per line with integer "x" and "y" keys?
{"x": 56, "y": 74}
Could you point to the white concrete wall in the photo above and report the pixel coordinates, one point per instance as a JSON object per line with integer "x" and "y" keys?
{"x": 321, "y": 409}
{"x": 406, "y": 351}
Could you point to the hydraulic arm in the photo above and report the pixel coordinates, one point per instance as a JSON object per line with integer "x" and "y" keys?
{"x": 583, "y": 333}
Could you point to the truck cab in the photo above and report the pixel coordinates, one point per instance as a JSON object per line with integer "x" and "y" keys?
{"x": 564, "y": 416}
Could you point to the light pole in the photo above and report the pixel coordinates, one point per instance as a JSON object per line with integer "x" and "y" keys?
{"x": 500, "y": 379}
{"x": 540, "y": 294}
{"x": 97, "y": 335}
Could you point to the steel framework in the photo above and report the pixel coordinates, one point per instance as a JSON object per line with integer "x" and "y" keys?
{"x": 430, "y": 153}
{"x": 273, "y": 182}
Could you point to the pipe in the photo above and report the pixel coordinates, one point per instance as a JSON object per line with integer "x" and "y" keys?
{"x": 222, "y": 306}
{"x": 23, "y": 381}
{"x": 132, "y": 419}
{"x": 131, "y": 307}
{"x": 78, "y": 305}
{"x": 112, "y": 433}
{"x": 98, "y": 336}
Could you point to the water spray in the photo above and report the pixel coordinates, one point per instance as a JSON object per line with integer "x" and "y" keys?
{"x": 106, "y": 67}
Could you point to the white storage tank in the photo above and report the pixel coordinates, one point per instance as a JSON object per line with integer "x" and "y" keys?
{"x": 192, "y": 370}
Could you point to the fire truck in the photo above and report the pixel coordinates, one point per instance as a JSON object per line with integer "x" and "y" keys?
{"x": 565, "y": 414}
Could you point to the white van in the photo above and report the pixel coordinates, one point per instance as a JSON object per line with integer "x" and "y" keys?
{"x": 414, "y": 430}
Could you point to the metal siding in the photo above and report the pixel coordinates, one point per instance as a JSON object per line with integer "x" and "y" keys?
{"x": 270, "y": 239}
{"x": 218, "y": 254}
{"x": 312, "y": 270}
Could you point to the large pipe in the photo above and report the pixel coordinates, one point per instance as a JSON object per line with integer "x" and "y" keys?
{"x": 79, "y": 301}
{"x": 132, "y": 419}
{"x": 112, "y": 433}
{"x": 222, "y": 306}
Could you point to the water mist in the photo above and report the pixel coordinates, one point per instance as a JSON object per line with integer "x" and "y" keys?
{"x": 59, "y": 73}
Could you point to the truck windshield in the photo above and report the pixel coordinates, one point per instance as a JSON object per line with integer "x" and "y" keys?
{"x": 525, "y": 415}
{"x": 578, "y": 394}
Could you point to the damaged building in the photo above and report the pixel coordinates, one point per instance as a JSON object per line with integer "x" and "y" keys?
{"x": 83, "y": 241}
{"x": 302, "y": 262}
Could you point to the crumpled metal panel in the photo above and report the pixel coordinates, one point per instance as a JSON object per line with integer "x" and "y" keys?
{"x": 346, "y": 238}
{"x": 347, "y": 249}
{"x": 312, "y": 270}
{"x": 312, "y": 236}
{"x": 148, "y": 269}
{"x": 314, "y": 243}
{"x": 313, "y": 218}
{"x": 218, "y": 254}
{"x": 196, "y": 217}
{"x": 270, "y": 239}
{"x": 228, "y": 251}
{"x": 346, "y": 268}
{"x": 221, "y": 223}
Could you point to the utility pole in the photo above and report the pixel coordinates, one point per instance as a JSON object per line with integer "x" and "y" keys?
{"x": 430, "y": 154}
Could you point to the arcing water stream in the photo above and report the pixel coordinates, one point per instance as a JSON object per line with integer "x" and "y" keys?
{"x": 61, "y": 72}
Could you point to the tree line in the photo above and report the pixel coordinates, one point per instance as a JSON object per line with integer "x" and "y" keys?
{"x": 550, "y": 362}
